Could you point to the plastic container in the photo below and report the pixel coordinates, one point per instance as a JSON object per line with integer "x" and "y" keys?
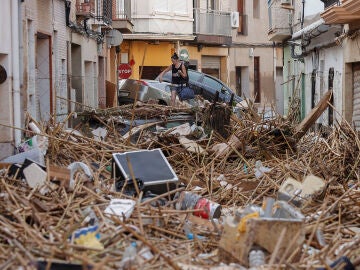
{"x": 33, "y": 154}
{"x": 35, "y": 142}
{"x": 186, "y": 200}
{"x": 256, "y": 258}
{"x": 129, "y": 256}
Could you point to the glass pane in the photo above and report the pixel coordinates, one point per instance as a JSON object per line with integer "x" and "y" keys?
{"x": 194, "y": 76}
{"x": 212, "y": 83}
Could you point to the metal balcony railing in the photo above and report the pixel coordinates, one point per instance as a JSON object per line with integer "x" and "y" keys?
{"x": 104, "y": 11}
{"x": 330, "y": 3}
{"x": 212, "y": 22}
{"x": 122, "y": 10}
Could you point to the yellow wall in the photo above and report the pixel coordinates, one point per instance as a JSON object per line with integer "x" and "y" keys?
{"x": 145, "y": 54}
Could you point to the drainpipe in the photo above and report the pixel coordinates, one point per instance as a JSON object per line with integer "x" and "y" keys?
{"x": 15, "y": 11}
{"x": 21, "y": 47}
{"x": 303, "y": 14}
{"x": 275, "y": 61}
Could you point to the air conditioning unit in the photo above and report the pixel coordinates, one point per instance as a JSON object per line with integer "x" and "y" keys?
{"x": 234, "y": 19}
{"x": 286, "y": 2}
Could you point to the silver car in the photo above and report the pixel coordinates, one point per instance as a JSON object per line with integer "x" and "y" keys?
{"x": 144, "y": 90}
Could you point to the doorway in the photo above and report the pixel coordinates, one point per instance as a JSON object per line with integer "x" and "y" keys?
{"x": 44, "y": 104}
{"x": 257, "y": 93}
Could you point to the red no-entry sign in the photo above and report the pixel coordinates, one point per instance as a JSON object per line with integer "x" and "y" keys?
{"x": 124, "y": 71}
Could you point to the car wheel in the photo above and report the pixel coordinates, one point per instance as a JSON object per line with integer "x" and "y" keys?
{"x": 162, "y": 102}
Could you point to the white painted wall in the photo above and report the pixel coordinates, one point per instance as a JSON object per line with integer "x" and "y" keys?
{"x": 162, "y": 17}
{"x": 332, "y": 58}
{"x": 6, "y": 104}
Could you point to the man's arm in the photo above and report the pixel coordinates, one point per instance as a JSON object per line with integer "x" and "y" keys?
{"x": 183, "y": 71}
{"x": 163, "y": 72}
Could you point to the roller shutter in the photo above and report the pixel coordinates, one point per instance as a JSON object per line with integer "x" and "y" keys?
{"x": 356, "y": 97}
{"x": 210, "y": 62}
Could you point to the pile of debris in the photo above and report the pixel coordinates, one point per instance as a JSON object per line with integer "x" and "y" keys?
{"x": 150, "y": 186}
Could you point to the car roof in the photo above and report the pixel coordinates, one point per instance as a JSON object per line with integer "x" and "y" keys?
{"x": 200, "y": 77}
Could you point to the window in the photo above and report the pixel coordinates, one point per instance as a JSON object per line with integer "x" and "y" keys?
{"x": 194, "y": 76}
{"x": 256, "y": 9}
{"x": 313, "y": 88}
{"x": 242, "y": 29}
{"x": 212, "y": 83}
{"x": 331, "y": 86}
{"x": 211, "y": 5}
{"x": 257, "y": 79}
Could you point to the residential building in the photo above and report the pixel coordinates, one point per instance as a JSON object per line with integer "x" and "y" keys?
{"x": 255, "y": 62}
{"x": 345, "y": 15}
{"x": 199, "y": 31}
{"x": 54, "y": 57}
{"x": 216, "y": 37}
{"x": 317, "y": 57}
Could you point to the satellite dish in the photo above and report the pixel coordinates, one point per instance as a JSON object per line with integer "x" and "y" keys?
{"x": 114, "y": 38}
{"x": 3, "y": 74}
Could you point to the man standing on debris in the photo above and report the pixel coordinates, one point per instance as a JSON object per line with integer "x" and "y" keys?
{"x": 178, "y": 78}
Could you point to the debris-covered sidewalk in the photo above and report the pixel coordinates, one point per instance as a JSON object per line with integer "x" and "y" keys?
{"x": 238, "y": 191}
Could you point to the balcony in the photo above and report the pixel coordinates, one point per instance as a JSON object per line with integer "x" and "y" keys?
{"x": 103, "y": 13}
{"x": 280, "y": 20}
{"x": 122, "y": 16}
{"x": 212, "y": 27}
{"x": 329, "y": 3}
{"x": 347, "y": 12}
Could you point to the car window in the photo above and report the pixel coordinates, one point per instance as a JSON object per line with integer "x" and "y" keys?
{"x": 212, "y": 83}
{"x": 166, "y": 77}
{"x": 194, "y": 76}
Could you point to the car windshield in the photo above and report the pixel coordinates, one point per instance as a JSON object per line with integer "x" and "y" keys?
{"x": 194, "y": 76}
{"x": 166, "y": 77}
{"x": 213, "y": 83}
{"x": 202, "y": 80}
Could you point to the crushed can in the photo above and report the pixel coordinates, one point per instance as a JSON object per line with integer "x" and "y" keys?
{"x": 191, "y": 201}
{"x": 209, "y": 208}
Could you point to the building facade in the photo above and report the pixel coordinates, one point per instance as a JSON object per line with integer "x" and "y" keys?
{"x": 54, "y": 56}
{"x": 199, "y": 31}
{"x": 320, "y": 54}
{"x": 346, "y": 15}
{"x": 225, "y": 39}
{"x": 255, "y": 62}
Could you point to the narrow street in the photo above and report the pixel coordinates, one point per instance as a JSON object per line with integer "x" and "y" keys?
{"x": 180, "y": 134}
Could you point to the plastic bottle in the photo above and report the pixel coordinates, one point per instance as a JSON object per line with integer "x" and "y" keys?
{"x": 129, "y": 256}
{"x": 256, "y": 258}
{"x": 188, "y": 232}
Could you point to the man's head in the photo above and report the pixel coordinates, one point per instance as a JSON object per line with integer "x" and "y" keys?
{"x": 175, "y": 57}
